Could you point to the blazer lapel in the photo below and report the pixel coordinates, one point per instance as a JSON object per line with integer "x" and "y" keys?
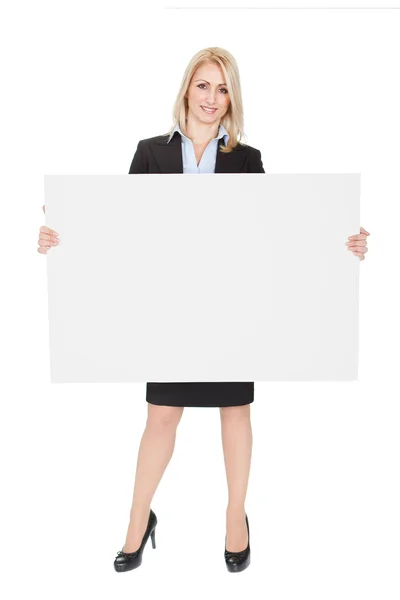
{"x": 233, "y": 162}
{"x": 169, "y": 157}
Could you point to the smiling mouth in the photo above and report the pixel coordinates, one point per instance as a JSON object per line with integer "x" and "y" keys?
{"x": 210, "y": 111}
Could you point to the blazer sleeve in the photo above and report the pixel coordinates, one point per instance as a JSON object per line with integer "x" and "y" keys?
{"x": 258, "y": 164}
{"x": 138, "y": 164}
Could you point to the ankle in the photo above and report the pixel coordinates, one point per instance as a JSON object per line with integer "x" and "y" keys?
{"x": 139, "y": 512}
{"x": 235, "y": 510}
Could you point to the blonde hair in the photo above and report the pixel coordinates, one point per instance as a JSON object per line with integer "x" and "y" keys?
{"x": 233, "y": 118}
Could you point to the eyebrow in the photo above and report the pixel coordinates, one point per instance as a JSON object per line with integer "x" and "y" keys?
{"x": 208, "y": 81}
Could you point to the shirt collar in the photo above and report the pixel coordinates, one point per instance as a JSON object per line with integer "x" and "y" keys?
{"x": 222, "y": 132}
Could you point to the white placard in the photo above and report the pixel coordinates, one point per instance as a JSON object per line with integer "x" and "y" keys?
{"x": 234, "y": 277}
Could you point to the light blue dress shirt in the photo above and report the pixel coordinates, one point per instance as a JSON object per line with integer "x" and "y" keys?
{"x": 207, "y": 162}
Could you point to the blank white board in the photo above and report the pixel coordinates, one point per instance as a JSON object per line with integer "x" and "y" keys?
{"x": 234, "y": 277}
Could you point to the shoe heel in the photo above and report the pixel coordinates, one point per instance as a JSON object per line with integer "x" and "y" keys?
{"x": 153, "y": 537}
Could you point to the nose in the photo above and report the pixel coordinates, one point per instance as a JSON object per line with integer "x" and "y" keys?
{"x": 211, "y": 98}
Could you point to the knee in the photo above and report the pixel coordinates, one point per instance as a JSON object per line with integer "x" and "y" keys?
{"x": 235, "y": 413}
{"x": 164, "y": 417}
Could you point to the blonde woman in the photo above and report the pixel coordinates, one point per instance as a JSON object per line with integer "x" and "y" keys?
{"x": 205, "y": 138}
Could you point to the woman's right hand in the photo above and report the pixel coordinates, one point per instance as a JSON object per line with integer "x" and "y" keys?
{"x": 47, "y": 238}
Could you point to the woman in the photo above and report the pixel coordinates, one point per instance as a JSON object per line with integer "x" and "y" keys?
{"x": 208, "y": 124}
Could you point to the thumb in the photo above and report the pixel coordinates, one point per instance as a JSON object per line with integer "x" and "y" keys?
{"x": 44, "y": 209}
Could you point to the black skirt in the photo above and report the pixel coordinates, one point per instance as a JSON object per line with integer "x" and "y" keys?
{"x": 231, "y": 393}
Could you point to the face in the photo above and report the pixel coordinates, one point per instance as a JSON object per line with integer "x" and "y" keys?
{"x": 207, "y": 89}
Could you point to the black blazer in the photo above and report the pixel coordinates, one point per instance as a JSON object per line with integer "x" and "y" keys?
{"x": 154, "y": 155}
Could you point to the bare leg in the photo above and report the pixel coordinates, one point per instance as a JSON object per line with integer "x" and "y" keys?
{"x": 155, "y": 451}
{"x": 237, "y": 440}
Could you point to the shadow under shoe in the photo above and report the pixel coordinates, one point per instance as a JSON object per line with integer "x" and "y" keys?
{"x": 126, "y": 561}
{"x": 238, "y": 561}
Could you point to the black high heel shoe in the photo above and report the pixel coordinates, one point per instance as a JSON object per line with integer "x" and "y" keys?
{"x": 126, "y": 561}
{"x": 238, "y": 561}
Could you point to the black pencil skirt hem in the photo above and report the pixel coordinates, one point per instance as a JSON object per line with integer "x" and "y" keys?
{"x": 201, "y": 394}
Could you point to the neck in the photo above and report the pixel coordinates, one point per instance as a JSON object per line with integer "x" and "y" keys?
{"x": 200, "y": 133}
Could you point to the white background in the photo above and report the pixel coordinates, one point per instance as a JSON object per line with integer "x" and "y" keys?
{"x": 83, "y": 82}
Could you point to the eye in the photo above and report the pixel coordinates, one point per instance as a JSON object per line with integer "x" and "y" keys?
{"x": 222, "y": 89}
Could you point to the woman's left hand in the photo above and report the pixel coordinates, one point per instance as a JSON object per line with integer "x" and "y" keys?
{"x": 358, "y": 243}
